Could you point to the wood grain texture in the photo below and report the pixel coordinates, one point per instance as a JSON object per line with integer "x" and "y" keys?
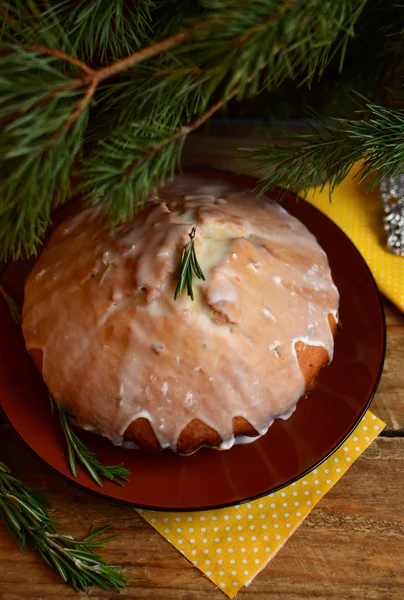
{"x": 389, "y": 400}
{"x": 350, "y": 547}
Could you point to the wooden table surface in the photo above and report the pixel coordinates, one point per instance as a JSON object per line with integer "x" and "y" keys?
{"x": 351, "y": 547}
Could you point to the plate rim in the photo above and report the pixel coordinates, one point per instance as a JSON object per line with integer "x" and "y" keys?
{"x": 99, "y": 493}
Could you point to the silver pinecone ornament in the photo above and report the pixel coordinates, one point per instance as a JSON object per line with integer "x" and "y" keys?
{"x": 393, "y": 201}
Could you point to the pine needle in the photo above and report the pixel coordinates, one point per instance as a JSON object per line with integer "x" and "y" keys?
{"x": 57, "y": 117}
{"x": 303, "y": 161}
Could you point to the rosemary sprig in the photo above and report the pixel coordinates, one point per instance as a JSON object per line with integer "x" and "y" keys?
{"x": 188, "y": 264}
{"x": 77, "y": 452}
{"x": 12, "y": 305}
{"x": 25, "y": 514}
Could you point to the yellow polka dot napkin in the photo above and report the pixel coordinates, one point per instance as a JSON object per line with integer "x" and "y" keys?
{"x": 231, "y": 545}
{"x": 360, "y": 216}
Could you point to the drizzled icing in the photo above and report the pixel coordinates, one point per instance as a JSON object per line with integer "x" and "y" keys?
{"x": 117, "y": 347}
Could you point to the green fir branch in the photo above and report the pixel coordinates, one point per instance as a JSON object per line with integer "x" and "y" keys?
{"x": 106, "y": 30}
{"x": 171, "y": 16}
{"x": 96, "y": 30}
{"x": 303, "y": 161}
{"x": 41, "y": 137}
{"x": 25, "y": 515}
{"x": 136, "y": 123}
{"x": 30, "y": 22}
{"x": 118, "y": 178}
{"x": 236, "y": 46}
{"x": 233, "y": 49}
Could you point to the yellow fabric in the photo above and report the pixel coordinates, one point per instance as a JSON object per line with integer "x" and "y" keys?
{"x": 360, "y": 216}
{"x": 231, "y": 545}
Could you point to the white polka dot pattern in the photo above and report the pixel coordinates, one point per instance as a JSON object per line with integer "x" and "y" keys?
{"x": 231, "y": 545}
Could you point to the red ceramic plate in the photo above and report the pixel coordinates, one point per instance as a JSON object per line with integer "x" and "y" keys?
{"x": 211, "y": 479}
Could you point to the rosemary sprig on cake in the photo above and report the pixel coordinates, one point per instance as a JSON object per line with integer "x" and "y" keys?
{"x": 188, "y": 264}
{"x": 25, "y": 514}
{"x": 77, "y": 451}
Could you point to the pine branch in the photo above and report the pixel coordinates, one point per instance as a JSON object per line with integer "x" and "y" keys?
{"x": 326, "y": 155}
{"x": 107, "y": 29}
{"x": 30, "y": 22}
{"x": 150, "y": 153}
{"x": 179, "y": 85}
{"x": 171, "y": 16}
{"x": 46, "y": 106}
{"x": 181, "y": 133}
{"x": 62, "y": 56}
{"x": 117, "y": 180}
{"x": 42, "y": 134}
{"x": 25, "y": 515}
{"x": 229, "y": 47}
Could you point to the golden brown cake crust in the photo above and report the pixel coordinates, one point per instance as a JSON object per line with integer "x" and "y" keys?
{"x": 196, "y": 434}
{"x": 124, "y": 358}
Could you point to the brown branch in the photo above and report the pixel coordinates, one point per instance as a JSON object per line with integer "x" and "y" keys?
{"x": 129, "y": 61}
{"x": 63, "y": 56}
{"x": 80, "y": 108}
{"x": 93, "y": 77}
{"x": 187, "y": 129}
{"x": 90, "y": 77}
{"x": 145, "y": 54}
{"x": 181, "y": 133}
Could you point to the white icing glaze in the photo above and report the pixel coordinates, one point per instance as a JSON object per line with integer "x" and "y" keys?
{"x": 117, "y": 347}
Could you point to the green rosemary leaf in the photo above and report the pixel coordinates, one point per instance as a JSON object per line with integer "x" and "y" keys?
{"x": 196, "y": 265}
{"x": 57, "y": 563}
{"x": 12, "y": 305}
{"x": 189, "y": 281}
{"x": 25, "y": 515}
{"x": 188, "y": 264}
{"x": 178, "y": 270}
{"x": 11, "y": 522}
{"x": 76, "y": 450}
{"x": 70, "y": 452}
{"x": 79, "y": 453}
{"x": 32, "y": 512}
